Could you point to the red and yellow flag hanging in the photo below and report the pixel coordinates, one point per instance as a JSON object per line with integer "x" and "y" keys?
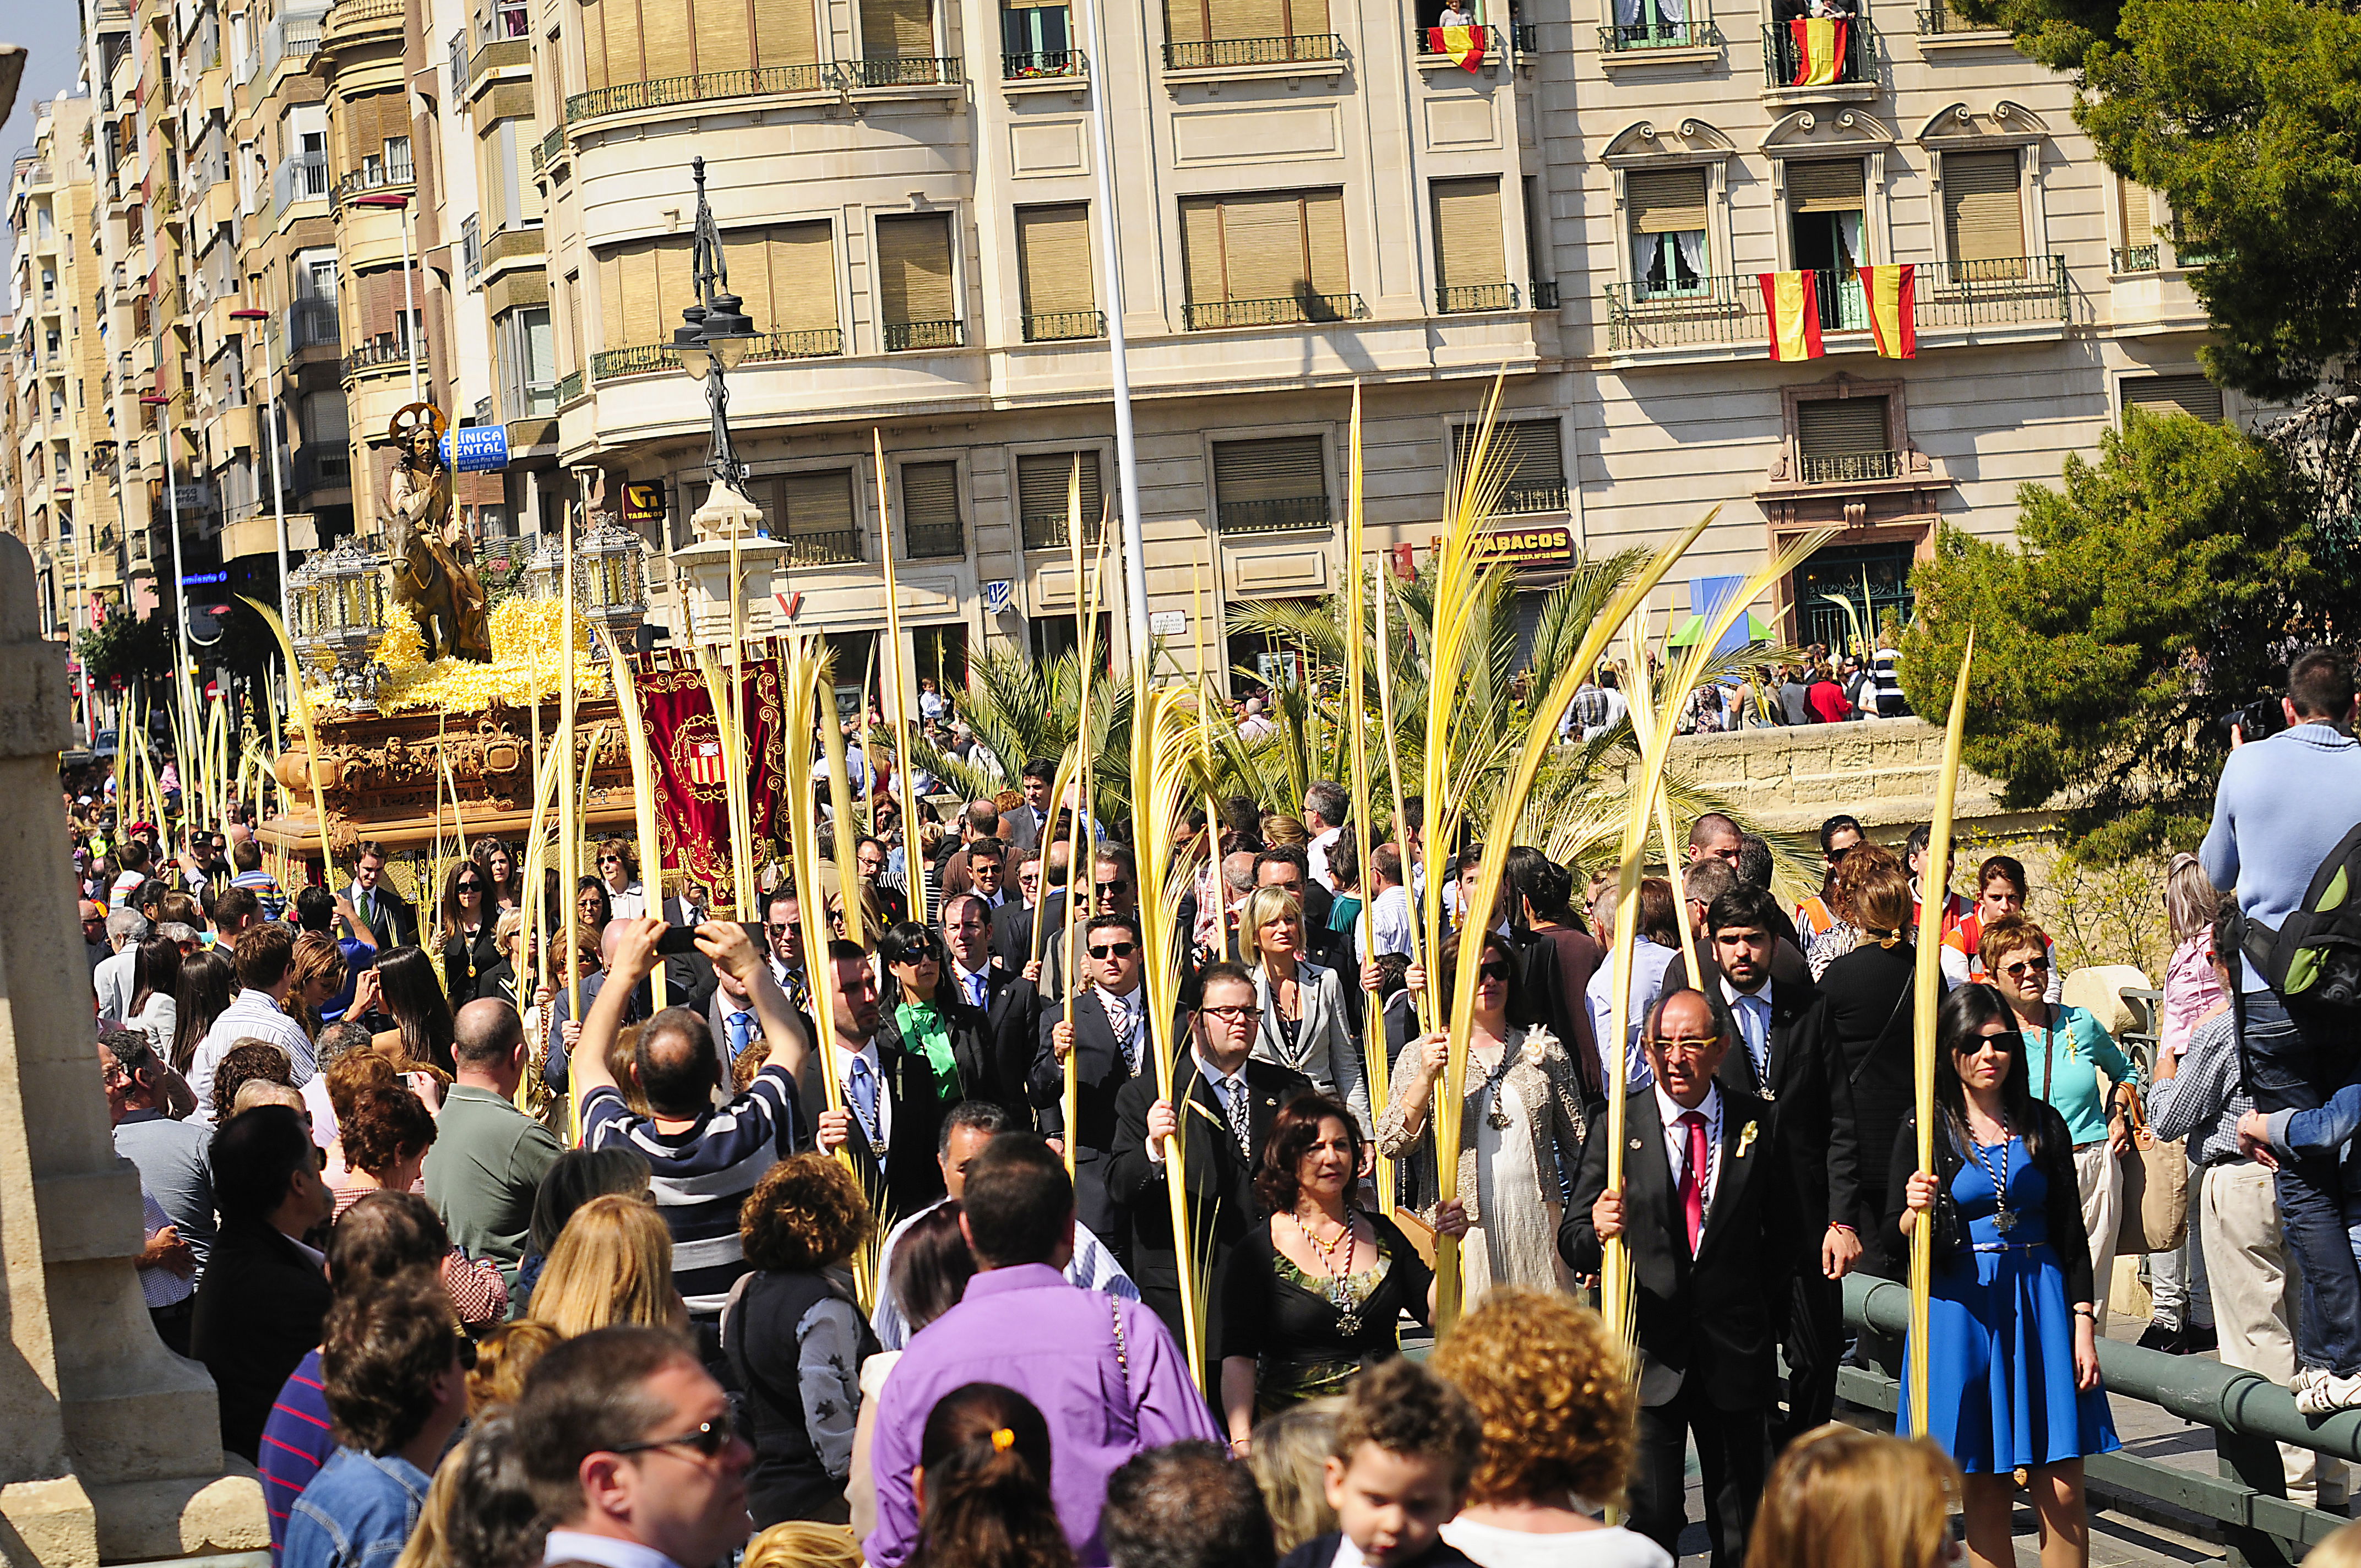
{"x": 1464, "y": 45}
{"x": 1792, "y": 302}
{"x": 1891, "y": 293}
{"x": 1820, "y": 50}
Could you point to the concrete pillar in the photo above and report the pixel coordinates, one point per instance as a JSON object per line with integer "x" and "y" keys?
{"x": 112, "y": 1450}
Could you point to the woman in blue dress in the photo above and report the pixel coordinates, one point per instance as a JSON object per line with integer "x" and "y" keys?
{"x": 2013, "y": 1368}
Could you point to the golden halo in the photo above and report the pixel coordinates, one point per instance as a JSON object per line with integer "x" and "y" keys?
{"x": 410, "y": 416}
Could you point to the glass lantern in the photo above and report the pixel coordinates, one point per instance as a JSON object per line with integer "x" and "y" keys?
{"x": 611, "y": 580}
{"x": 544, "y": 577}
{"x": 351, "y": 601}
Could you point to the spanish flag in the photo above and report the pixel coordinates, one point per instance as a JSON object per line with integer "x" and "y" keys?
{"x": 1890, "y": 294}
{"x": 1464, "y": 45}
{"x": 1791, "y": 300}
{"x": 1820, "y": 50}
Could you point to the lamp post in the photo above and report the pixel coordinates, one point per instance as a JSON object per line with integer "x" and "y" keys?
{"x": 182, "y": 691}
{"x": 718, "y": 335}
{"x": 278, "y": 479}
{"x": 409, "y": 323}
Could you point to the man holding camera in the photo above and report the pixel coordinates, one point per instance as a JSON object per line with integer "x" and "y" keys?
{"x": 2282, "y": 807}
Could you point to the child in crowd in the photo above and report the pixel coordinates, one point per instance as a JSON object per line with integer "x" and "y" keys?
{"x": 1406, "y": 1443}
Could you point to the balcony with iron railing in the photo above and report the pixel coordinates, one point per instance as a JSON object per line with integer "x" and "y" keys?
{"x": 320, "y": 467}
{"x": 312, "y": 322}
{"x": 352, "y": 17}
{"x": 902, "y": 337}
{"x": 1290, "y": 514}
{"x": 1638, "y": 37}
{"x": 1064, "y": 325}
{"x": 1036, "y": 65}
{"x": 1938, "y": 18}
{"x": 293, "y": 34}
{"x": 1525, "y": 499}
{"x": 1958, "y": 298}
{"x": 1475, "y": 297}
{"x": 1426, "y": 44}
{"x": 1310, "y": 308}
{"x": 552, "y": 149}
{"x": 1784, "y": 64}
{"x": 624, "y": 97}
{"x": 1545, "y": 293}
{"x": 569, "y": 388}
{"x": 1048, "y": 530}
{"x": 1847, "y": 467}
{"x": 1221, "y": 54}
{"x": 839, "y": 548}
{"x": 660, "y": 358}
{"x": 2127, "y": 258}
{"x": 303, "y": 177}
{"x": 934, "y": 541}
{"x": 902, "y": 70}
{"x": 384, "y": 353}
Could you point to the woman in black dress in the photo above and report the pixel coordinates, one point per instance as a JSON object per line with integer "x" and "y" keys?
{"x": 1315, "y": 1293}
{"x": 1869, "y": 992}
{"x": 469, "y": 919}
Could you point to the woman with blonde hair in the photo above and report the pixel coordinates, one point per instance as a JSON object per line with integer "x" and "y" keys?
{"x": 799, "y": 1543}
{"x": 1556, "y": 1394}
{"x": 1290, "y": 1461}
{"x": 2192, "y": 993}
{"x": 1840, "y": 1497}
{"x": 1306, "y": 1015}
{"x": 612, "y": 1265}
{"x": 320, "y": 971}
{"x": 480, "y": 1511}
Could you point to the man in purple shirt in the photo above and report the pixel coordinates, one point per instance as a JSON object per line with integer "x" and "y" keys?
{"x": 1105, "y": 1372}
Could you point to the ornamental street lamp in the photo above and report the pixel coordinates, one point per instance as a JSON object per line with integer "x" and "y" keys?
{"x": 351, "y": 602}
{"x": 718, "y": 337}
{"x": 611, "y": 580}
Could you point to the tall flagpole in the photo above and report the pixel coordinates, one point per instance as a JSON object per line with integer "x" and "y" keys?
{"x": 1126, "y": 457}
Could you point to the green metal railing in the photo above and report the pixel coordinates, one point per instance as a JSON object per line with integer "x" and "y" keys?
{"x": 1848, "y": 468}
{"x": 2122, "y": 259}
{"x": 1942, "y": 19}
{"x": 1047, "y": 529}
{"x": 569, "y": 388}
{"x": 1475, "y": 297}
{"x": 1061, "y": 324}
{"x": 932, "y": 542}
{"x": 660, "y": 358}
{"x": 902, "y": 336}
{"x": 819, "y": 343}
{"x": 895, "y": 70}
{"x": 1292, "y": 514}
{"x": 1271, "y": 312}
{"x": 823, "y": 549}
{"x": 1038, "y": 63}
{"x": 1950, "y": 295}
{"x": 1627, "y": 37}
{"x": 1217, "y": 53}
{"x": 625, "y": 96}
{"x": 643, "y": 359}
{"x": 552, "y": 147}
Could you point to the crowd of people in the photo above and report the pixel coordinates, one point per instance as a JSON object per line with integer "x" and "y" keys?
{"x": 494, "y": 1265}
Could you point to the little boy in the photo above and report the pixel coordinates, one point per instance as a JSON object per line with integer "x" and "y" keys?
{"x": 1405, "y": 1446}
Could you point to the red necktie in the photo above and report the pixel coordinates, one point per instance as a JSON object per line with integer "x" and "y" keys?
{"x": 1693, "y": 1179}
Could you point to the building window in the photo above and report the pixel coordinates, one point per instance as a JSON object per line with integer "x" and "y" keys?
{"x": 1053, "y": 269}
{"x": 1667, "y": 210}
{"x": 1653, "y": 23}
{"x": 897, "y": 29}
{"x": 819, "y": 526}
{"x": 931, "y": 527}
{"x": 2189, "y": 394}
{"x": 1264, "y": 259}
{"x": 915, "y": 304}
{"x": 471, "y": 247}
{"x": 459, "y": 64}
{"x": 1044, "y": 485}
{"x": 1035, "y": 39}
{"x": 1471, "y": 263}
{"x": 1201, "y": 33}
{"x": 1530, "y": 458}
{"x": 1272, "y": 486}
{"x": 626, "y": 43}
{"x": 528, "y": 364}
{"x": 1844, "y": 441}
{"x": 1983, "y": 215}
{"x": 1825, "y": 199}
{"x": 643, "y": 285}
{"x": 2136, "y": 210}
{"x": 787, "y": 276}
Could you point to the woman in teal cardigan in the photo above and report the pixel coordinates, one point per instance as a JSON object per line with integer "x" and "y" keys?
{"x": 2065, "y": 1049}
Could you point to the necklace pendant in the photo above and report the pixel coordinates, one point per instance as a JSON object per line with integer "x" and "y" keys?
{"x": 2003, "y": 1221}
{"x": 1348, "y": 1324}
{"x": 1497, "y": 1118}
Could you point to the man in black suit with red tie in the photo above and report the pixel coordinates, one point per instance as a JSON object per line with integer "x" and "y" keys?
{"x": 1699, "y": 1211}
{"x": 1105, "y": 1031}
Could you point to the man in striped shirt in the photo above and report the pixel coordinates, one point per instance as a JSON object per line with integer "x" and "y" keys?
{"x": 704, "y": 1159}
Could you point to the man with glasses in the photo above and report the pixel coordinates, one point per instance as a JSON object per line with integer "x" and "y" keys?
{"x": 783, "y": 926}
{"x": 1700, "y": 1212}
{"x": 1106, "y": 1032}
{"x": 628, "y": 1446}
{"x": 1815, "y": 916}
{"x": 869, "y": 857}
{"x": 891, "y": 1106}
{"x": 1231, "y": 1100}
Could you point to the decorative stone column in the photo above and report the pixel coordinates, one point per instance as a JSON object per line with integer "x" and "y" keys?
{"x": 704, "y": 570}
{"x": 111, "y": 1448}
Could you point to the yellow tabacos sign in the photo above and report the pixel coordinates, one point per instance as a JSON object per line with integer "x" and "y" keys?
{"x": 1517, "y": 546}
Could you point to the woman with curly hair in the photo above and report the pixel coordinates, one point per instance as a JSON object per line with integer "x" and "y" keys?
{"x": 1559, "y": 1407}
{"x": 1840, "y": 1497}
{"x": 385, "y": 1131}
{"x": 796, "y": 1338}
{"x": 243, "y": 1061}
{"x": 612, "y": 1265}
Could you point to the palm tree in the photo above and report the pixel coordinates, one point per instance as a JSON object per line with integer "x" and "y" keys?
{"x": 1020, "y": 710}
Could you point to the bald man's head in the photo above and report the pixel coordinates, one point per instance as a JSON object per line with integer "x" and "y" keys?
{"x": 677, "y": 1066}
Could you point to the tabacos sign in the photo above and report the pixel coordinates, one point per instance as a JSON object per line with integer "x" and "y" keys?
{"x": 1552, "y": 546}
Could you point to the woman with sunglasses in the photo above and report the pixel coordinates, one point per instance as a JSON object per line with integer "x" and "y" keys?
{"x": 925, "y": 1012}
{"x": 1307, "y": 1018}
{"x": 627, "y": 898}
{"x": 2065, "y": 1050}
{"x": 2012, "y": 1373}
{"x": 1520, "y": 1122}
{"x": 469, "y": 920}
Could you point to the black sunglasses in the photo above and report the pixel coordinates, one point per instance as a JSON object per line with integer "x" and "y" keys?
{"x": 1116, "y": 950}
{"x": 1117, "y": 886}
{"x": 709, "y": 1439}
{"x": 471, "y": 887}
{"x": 1494, "y": 972}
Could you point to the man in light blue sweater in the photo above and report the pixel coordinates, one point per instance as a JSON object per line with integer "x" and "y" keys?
{"x": 2282, "y": 805}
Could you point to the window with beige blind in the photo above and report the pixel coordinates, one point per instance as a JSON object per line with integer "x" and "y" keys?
{"x": 1053, "y": 270}
{"x": 915, "y": 292}
{"x": 1191, "y": 23}
{"x": 1269, "y": 257}
{"x": 1529, "y": 456}
{"x": 814, "y": 512}
{"x": 2135, "y": 207}
{"x": 931, "y": 527}
{"x": 2189, "y": 394}
{"x": 1665, "y": 209}
{"x": 1983, "y": 215}
{"x": 1044, "y": 481}
{"x": 1471, "y": 262}
{"x": 1844, "y": 439}
{"x": 786, "y": 274}
{"x": 643, "y": 285}
{"x": 631, "y": 41}
{"x": 1276, "y": 485}
{"x": 897, "y": 29}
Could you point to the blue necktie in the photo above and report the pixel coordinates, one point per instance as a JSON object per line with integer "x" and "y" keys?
{"x": 864, "y": 1098}
{"x": 975, "y": 991}
{"x": 741, "y": 1029}
{"x": 1754, "y": 1019}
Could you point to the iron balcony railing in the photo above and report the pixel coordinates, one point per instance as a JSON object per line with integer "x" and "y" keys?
{"x": 293, "y": 36}
{"x": 1950, "y": 295}
{"x": 1941, "y": 18}
{"x": 2122, "y": 259}
{"x": 1475, "y": 297}
{"x": 902, "y": 336}
{"x": 311, "y": 322}
{"x": 1271, "y": 312}
{"x": 1061, "y": 324}
{"x": 1214, "y": 54}
{"x": 934, "y": 542}
{"x": 1545, "y": 293}
{"x": 302, "y": 177}
{"x": 387, "y": 351}
{"x": 1783, "y": 60}
{"x": 1047, "y": 529}
{"x": 1529, "y": 38}
{"x": 1039, "y": 63}
{"x": 839, "y": 548}
{"x": 625, "y": 96}
{"x": 1847, "y": 467}
{"x": 552, "y": 147}
{"x": 320, "y": 467}
{"x": 1291, "y": 514}
{"x": 903, "y": 71}
{"x": 1425, "y": 42}
{"x": 1517, "y": 500}
{"x": 659, "y": 358}
{"x": 1626, "y": 36}
{"x": 569, "y": 387}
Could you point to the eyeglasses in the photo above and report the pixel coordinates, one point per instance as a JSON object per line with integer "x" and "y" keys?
{"x": 1246, "y": 1014}
{"x": 610, "y": 860}
{"x": 2029, "y": 966}
{"x": 708, "y": 1440}
{"x": 471, "y": 887}
{"x": 1695, "y": 1047}
{"x": 1116, "y": 950}
{"x": 1111, "y": 886}
{"x": 1494, "y": 972}
{"x": 2008, "y": 1040}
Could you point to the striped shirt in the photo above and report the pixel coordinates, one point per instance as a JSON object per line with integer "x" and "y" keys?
{"x": 702, "y": 1174}
{"x": 2202, "y": 1100}
{"x": 295, "y": 1443}
{"x": 264, "y": 888}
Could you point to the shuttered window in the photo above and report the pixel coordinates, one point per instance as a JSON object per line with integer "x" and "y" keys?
{"x": 819, "y": 503}
{"x": 2191, "y": 395}
{"x": 785, "y": 33}
{"x": 786, "y": 274}
{"x": 643, "y": 288}
{"x": 1831, "y": 185}
{"x": 1841, "y": 427}
{"x": 1531, "y": 457}
{"x": 1983, "y": 210}
{"x": 1275, "y": 484}
{"x": 914, "y": 269}
{"x": 1053, "y": 260}
{"x": 1041, "y": 481}
{"x": 664, "y": 26}
{"x": 1468, "y": 252}
{"x": 930, "y": 510}
{"x": 896, "y": 29}
{"x": 1268, "y": 246}
{"x": 725, "y": 36}
{"x": 520, "y": 145}
{"x": 1665, "y": 201}
{"x": 2137, "y": 206}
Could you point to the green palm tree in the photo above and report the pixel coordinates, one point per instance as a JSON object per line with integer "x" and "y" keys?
{"x": 1021, "y": 709}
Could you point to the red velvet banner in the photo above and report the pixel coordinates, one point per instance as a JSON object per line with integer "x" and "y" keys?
{"x": 692, "y": 798}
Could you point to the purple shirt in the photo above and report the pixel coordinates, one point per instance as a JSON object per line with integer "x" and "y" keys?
{"x": 1028, "y": 1329}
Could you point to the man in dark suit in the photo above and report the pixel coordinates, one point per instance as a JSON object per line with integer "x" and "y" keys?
{"x": 1010, "y": 1003}
{"x": 1699, "y": 1212}
{"x": 1227, "y": 1103}
{"x": 1025, "y": 827}
{"x": 1105, "y": 1031}
{"x": 892, "y": 1105}
{"x": 1012, "y": 922}
{"x": 386, "y": 912}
